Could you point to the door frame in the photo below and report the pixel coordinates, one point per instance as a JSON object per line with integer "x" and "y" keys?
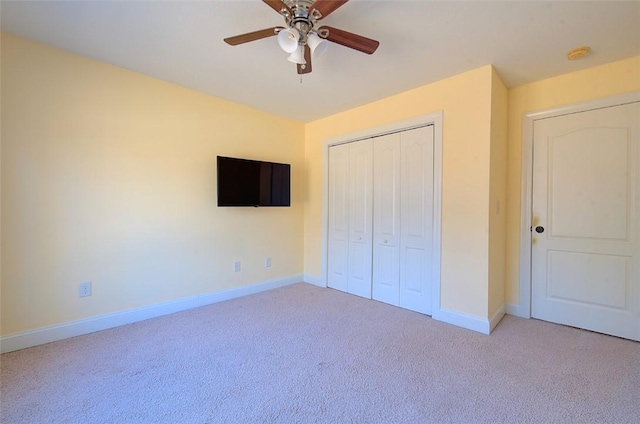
{"x": 523, "y": 307}
{"x": 434, "y": 119}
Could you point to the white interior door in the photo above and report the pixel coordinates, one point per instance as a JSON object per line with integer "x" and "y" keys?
{"x": 386, "y": 233}
{"x": 338, "y": 225}
{"x": 416, "y": 219}
{"x": 360, "y": 218}
{"x": 585, "y": 244}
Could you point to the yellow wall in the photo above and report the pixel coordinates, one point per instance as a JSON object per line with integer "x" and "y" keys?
{"x": 466, "y": 102}
{"x": 110, "y": 176}
{"x": 498, "y": 194}
{"x": 593, "y": 83}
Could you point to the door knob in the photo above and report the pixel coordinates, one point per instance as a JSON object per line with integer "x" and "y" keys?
{"x": 539, "y": 229}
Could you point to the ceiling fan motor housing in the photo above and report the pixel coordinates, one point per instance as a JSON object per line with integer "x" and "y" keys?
{"x": 301, "y": 19}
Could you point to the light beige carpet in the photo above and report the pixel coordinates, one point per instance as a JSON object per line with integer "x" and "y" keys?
{"x": 304, "y": 354}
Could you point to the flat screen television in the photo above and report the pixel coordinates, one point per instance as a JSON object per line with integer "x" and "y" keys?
{"x": 244, "y": 182}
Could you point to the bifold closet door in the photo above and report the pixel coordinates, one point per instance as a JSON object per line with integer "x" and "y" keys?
{"x": 416, "y": 219}
{"x": 338, "y": 246}
{"x": 350, "y": 217}
{"x": 381, "y": 218}
{"x": 386, "y": 219}
{"x": 360, "y": 217}
{"x": 403, "y": 219}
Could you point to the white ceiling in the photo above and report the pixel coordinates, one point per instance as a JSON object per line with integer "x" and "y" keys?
{"x": 420, "y": 42}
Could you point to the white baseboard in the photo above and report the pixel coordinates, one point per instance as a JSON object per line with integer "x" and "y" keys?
{"x": 470, "y": 322}
{"x": 102, "y": 322}
{"x": 316, "y": 281}
{"x": 517, "y": 310}
{"x": 495, "y": 319}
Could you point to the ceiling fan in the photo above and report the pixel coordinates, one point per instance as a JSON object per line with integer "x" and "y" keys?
{"x": 301, "y": 37}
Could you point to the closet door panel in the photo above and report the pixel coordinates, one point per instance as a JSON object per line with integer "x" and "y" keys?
{"x": 338, "y": 254}
{"x": 416, "y": 219}
{"x": 386, "y": 219}
{"x": 360, "y": 217}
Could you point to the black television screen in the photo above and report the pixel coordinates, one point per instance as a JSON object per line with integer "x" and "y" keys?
{"x": 243, "y": 182}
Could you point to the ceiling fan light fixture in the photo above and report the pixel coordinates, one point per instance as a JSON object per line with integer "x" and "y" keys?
{"x": 288, "y": 39}
{"x": 317, "y": 45}
{"x": 297, "y": 56}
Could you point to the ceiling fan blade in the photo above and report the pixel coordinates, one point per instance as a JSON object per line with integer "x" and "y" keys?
{"x": 325, "y": 7}
{"x": 251, "y": 36}
{"x": 307, "y": 58}
{"x": 276, "y": 5}
{"x": 354, "y": 41}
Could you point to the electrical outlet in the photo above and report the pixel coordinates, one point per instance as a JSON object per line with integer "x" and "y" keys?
{"x": 84, "y": 289}
{"x": 236, "y": 266}
{"x": 267, "y": 262}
